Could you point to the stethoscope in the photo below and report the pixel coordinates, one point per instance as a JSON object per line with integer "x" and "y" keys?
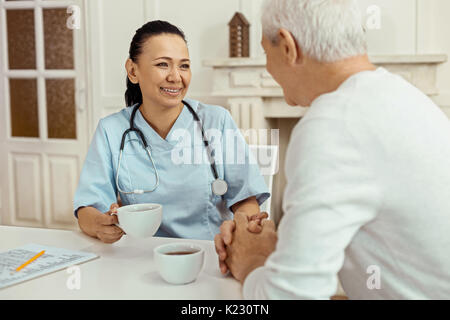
{"x": 219, "y": 187}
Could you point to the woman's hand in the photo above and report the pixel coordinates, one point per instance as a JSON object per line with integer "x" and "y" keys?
{"x": 107, "y": 231}
{"x": 100, "y": 225}
{"x": 225, "y": 237}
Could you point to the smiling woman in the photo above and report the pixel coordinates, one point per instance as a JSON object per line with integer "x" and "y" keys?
{"x": 159, "y": 74}
{"x": 133, "y": 150}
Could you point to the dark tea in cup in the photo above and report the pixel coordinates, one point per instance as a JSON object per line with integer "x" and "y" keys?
{"x": 178, "y": 253}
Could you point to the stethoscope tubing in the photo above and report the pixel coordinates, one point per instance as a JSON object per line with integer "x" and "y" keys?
{"x": 148, "y": 149}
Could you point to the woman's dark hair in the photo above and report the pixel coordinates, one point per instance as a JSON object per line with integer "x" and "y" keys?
{"x": 133, "y": 94}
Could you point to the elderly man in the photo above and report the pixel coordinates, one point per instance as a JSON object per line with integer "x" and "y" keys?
{"x": 368, "y": 172}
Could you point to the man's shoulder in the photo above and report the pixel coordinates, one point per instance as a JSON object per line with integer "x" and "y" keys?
{"x": 364, "y": 95}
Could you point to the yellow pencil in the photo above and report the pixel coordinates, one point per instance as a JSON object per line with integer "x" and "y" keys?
{"x": 31, "y": 260}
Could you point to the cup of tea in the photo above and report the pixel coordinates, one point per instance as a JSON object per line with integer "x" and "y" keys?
{"x": 140, "y": 220}
{"x": 179, "y": 262}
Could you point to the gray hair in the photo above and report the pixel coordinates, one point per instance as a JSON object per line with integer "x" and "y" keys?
{"x": 326, "y": 30}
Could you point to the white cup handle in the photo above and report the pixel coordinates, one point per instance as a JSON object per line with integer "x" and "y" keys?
{"x": 117, "y": 224}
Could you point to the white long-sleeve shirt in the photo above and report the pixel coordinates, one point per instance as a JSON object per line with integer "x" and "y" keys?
{"x": 367, "y": 197}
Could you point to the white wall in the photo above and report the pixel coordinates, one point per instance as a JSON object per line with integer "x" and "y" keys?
{"x": 434, "y": 27}
{"x": 397, "y": 34}
{"x": 205, "y": 23}
{"x": 414, "y": 27}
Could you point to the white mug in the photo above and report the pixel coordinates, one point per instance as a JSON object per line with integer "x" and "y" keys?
{"x": 179, "y": 268}
{"x": 140, "y": 220}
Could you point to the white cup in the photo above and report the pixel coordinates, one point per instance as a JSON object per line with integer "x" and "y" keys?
{"x": 140, "y": 220}
{"x": 179, "y": 268}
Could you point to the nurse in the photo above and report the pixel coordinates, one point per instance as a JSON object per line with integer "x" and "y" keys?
{"x": 158, "y": 77}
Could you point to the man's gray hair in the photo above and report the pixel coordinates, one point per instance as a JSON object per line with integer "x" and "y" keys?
{"x": 326, "y": 30}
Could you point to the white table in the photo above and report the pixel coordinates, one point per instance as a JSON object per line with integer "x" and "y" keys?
{"x": 125, "y": 270}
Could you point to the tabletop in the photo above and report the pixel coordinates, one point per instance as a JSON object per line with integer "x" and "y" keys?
{"x": 124, "y": 270}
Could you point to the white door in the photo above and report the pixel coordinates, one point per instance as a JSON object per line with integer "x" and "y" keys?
{"x": 43, "y": 122}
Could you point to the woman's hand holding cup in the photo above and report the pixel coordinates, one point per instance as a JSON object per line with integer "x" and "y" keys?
{"x": 106, "y": 229}
{"x": 100, "y": 225}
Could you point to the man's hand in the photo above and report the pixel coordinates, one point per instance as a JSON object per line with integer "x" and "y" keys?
{"x": 225, "y": 237}
{"x": 249, "y": 250}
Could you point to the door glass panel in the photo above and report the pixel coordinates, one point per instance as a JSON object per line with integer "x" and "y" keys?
{"x": 61, "y": 118}
{"x": 24, "y": 108}
{"x": 21, "y": 43}
{"x": 58, "y": 40}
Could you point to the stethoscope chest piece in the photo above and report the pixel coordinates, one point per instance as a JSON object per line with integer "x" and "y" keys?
{"x": 219, "y": 187}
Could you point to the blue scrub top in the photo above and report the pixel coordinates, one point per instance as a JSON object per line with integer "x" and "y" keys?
{"x": 190, "y": 209}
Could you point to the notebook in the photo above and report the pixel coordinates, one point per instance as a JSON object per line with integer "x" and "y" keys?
{"x": 52, "y": 260}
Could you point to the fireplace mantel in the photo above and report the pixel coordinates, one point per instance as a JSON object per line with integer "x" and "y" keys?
{"x": 376, "y": 59}
{"x": 256, "y": 101}
{"x": 247, "y": 78}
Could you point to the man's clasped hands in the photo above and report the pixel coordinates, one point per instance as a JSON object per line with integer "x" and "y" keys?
{"x": 244, "y": 243}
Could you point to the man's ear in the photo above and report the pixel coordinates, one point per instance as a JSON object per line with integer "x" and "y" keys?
{"x": 130, "y": 66}
{"x": 292, "y": 52}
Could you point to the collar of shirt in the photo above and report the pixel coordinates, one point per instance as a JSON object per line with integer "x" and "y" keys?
{"x": 154, "y": 140}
